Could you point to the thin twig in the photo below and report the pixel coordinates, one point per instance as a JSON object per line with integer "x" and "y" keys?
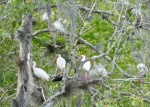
{"x": 7, "y": 90}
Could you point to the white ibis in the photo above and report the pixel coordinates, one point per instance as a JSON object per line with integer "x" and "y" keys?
{"x": 39, "y": 73}
{"x": 142, "y": 69}
{"x": 100, "y": 70}
{"x": 61, "y": 63}
{"x": 59, "y": 26}
{"x": 97, "y": 71}
{"x": 86, "y": 65}
{"x": 45, "y": 16}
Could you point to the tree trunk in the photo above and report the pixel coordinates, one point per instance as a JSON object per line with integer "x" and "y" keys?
{"x": 27, "y": 94}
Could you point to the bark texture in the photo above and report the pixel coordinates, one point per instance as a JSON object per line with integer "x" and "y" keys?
{"x": 27, "y": 94}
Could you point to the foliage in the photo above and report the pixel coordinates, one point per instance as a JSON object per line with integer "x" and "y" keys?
{"x": 102, "y": 28}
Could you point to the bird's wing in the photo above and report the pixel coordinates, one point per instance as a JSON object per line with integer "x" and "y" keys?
{"x": 61, "y": 63}
{"x": 59, "y": 26}
{"x": 87, "y": 66}
{"x": 104, "y": 73}
{"x": 41, "y": 74}
{"x": 101, "y": 69}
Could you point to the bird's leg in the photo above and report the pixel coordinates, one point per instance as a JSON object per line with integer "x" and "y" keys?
{"x": 62, "y": 72}
{"x": 43, "y": 93}
{"x": 57, "y": 70}
{"x": 88, "y": 75}
{"x": 41, "y": 82}
{"x": 83, "y": 77}
{"x": 141, "y": 80}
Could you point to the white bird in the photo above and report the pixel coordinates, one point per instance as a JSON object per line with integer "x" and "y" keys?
{"x": 86, "y": 65}
{"x": 59, "y": 26}
{"x": 38, "y": 72}
{"x": 61, "y": 63}
{"x": 125, "y": 2}
{"x": 45, "y": 16}
{"x": 142, "y": 70}
{"x": 98, "y": 71}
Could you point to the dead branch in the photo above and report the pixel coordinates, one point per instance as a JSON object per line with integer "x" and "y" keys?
{"x": 72, "y": 87}
{"x": 94, "y": 11}
{"x": 83, "y": 8}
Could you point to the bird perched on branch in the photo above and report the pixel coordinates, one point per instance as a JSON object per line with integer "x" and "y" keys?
{"x": 59, "y": 26}
{"x": 39, "y": 73}
{"x": 98, "y": 70}
{"x": 142, "y": 71}
{"x": 86, "y": 65}
{"x": 61, "y": 62}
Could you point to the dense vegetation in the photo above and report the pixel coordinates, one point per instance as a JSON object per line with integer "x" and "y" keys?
{"x": 110, "y": 29}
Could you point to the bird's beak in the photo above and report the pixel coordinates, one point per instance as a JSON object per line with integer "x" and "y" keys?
{"x": 79, "y": 58}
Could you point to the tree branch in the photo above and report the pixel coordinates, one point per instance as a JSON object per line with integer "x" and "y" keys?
{"x": 94, "y": 11}
{"x": 69, "y": 88}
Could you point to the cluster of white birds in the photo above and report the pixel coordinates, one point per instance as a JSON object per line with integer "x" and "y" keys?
{"x": 98, "y": 71}
{"x": 57, "y": 24}
{"x": 39, "y": 73}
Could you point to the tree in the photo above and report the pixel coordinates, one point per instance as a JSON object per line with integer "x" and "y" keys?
{"x": 27, "y": 94}
{"x": 116, "y": 32}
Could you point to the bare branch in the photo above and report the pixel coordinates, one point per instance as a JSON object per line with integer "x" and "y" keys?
{"x": 69, "y": 88}
{"x": 40, "y": 31}
{"x": 7, "y": 91}
{"x": 94, "y": 11}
